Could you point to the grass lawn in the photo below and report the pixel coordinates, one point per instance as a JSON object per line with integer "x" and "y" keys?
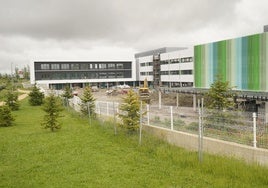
{"x": 83, "y": 155}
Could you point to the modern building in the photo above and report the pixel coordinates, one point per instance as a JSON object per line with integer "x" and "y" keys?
{"x": 242, "y": 61}
{"x": 57, "y": 74}
{"x": 165, "y": 67}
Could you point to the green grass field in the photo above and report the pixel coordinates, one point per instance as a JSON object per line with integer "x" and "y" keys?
{"x": 83, "y": 155}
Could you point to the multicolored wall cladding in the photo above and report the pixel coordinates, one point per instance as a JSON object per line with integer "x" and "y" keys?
{"x": 241, "y": 61}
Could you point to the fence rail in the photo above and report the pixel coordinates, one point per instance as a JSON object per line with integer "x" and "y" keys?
{"x": 234, "y": 126}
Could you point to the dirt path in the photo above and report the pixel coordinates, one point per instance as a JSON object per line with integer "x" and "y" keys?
{"x": 21, "y": 97}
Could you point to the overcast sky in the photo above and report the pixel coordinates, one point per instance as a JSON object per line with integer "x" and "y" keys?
{"x": 32, "y": 30}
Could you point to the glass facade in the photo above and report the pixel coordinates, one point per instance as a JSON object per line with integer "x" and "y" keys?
{"x": 82, "y": 70}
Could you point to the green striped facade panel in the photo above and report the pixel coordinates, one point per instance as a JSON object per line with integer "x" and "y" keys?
{"x": 243, "y": 62}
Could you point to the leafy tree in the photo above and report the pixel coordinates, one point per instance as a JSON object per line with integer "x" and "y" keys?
{"x": 52, "y": 108}
{"x": 12, "y": 100}
{"x": 67, "y": 93}
{"x": 219, "y": 95}
{"x": 130, "y": 111}
{"x": 88, "y": 102}
{"x": 36, "y": 97}
{"x": 6, "y": 118}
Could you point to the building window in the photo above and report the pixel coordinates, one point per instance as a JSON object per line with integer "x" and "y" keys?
{"x": 174, "y": 72}
{"x": 45, "y": 76}
{"x": 75, "y": 66}
{"x": 164, "y": 72}
{"x": 187, "y": 72}
{"x": 55, "y": 66}
{"x": 93, "y": 75}
{"x": 111, "y": 75}
{"x": 174, "y": 61}
{"x": 102, "y": 75}
{"x": 164, "y": 62}
{"x": 119, "y": 75}
{"x": 142, "y": 64}
{"x": 44, "y": 66}
{"x": 84, "y": 66}
{"x": 102, "y": 66}
{"x": 120, "y": 66}
{"x": 111, "y": 66}
{"x": 187, "y": 59}
{"x": 65, "y": 66}
{"x": 149, "y": 64}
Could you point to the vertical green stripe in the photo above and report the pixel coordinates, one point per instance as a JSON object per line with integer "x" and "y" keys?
{"x": 253, "y": 62}
{"x": 241, "y": 61}
{"x": 222, "y": 59}
{"x": 262, "y": 67}
{"x": 232, "y": 64}
{"x": 197, "y": 65}
{"x": 266, "y": 60}
{"x": 244, "y": 66}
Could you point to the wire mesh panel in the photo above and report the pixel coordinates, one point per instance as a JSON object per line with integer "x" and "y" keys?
{"x": 106, "y": 108}
{"x": 262, "y": 130}
{"x": 235, "y": 126}
{"x": 160, "y": 116}
{"x": 185, "y": 119}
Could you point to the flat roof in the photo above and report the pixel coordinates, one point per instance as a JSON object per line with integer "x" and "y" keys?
{"x": 158, "y": 51}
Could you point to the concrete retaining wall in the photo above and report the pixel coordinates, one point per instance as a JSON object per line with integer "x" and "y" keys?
{"x": 210, "y": 145}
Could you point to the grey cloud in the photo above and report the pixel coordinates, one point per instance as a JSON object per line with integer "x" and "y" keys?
{"x": 116, "y": 20}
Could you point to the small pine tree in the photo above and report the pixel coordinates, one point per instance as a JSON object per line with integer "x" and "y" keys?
{"x": 36, "y": 97}
{"x": 218, "y": 100}
{"x": 67, "y": 92}
{"x": 6, "y": 118}
{"x": 219, "y": 96}
{"x": 52, "y": 108}
{"x": 130, "y": 111}
{"x": 12, "y": 100}
{"x": 88, "y": 102}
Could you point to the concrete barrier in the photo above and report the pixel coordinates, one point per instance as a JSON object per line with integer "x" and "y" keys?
{"x": 210, "y": 145}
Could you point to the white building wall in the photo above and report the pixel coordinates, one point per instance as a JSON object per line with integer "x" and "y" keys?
{"x": 175, "y": 55}
{"x": 177, "y": 66}
{"x": 146, "y": 59}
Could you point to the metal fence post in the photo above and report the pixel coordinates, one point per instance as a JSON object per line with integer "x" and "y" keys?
{"x": 171, "y": 117}
{"x": 89, "y": 115}
{"x": 200, "y": 130}
{"x": 254, "y": 130}
{"x": 159, "y": 99}
{"x": 107, "y": 108}
{"x": 115, "y": 131}
{"x": 148, "y": 114}
{"x": 140, "y": 122}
